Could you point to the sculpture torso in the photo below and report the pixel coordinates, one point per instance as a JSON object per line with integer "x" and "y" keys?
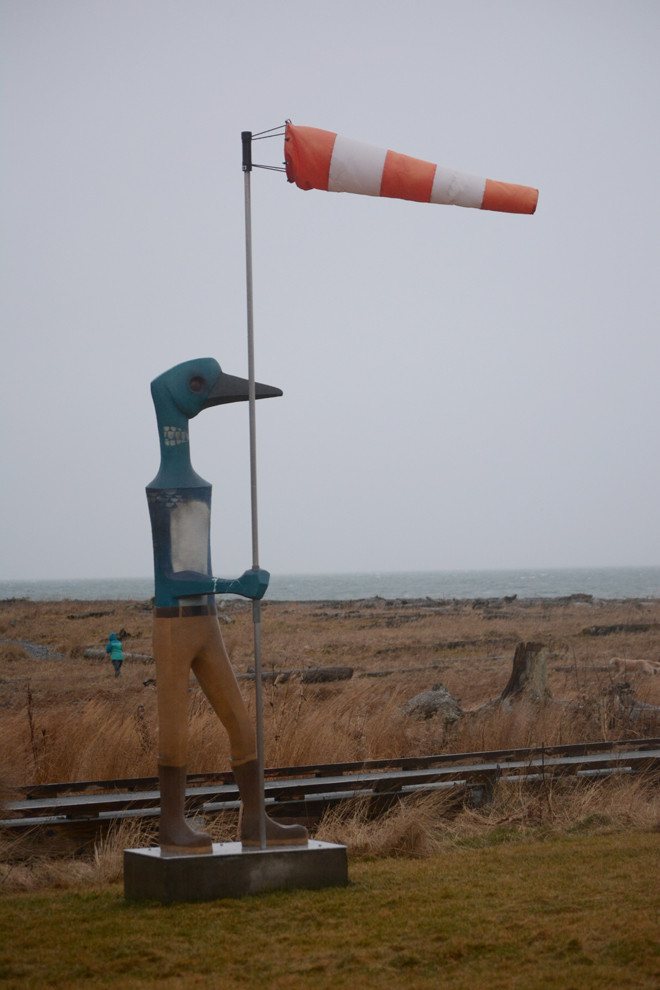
{"x": 181, "y": 529}
{"x": 180, "y": 510}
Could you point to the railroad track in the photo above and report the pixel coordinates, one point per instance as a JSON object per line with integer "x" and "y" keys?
{"x": 73, "y": 814}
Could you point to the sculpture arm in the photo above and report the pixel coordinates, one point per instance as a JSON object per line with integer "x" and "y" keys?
{"x": 189, "y": 584}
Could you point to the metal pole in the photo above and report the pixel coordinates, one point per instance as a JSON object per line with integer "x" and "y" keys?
{"x": 246, "y": 138}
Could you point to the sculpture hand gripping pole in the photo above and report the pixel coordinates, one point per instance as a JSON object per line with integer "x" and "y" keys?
{"x": 186, "y": 630}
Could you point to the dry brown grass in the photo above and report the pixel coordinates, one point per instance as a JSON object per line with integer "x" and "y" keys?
{"x": 103, "y": 738}
{"x": 71, "y": 720}
{"x": 425, "y": 825}
{"x": 409, "y": 829}
{"x": 416, "y": 827}
{"x": 103, "y": 866}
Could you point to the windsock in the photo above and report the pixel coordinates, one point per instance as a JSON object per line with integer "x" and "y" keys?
{"x": 317, "y": 159}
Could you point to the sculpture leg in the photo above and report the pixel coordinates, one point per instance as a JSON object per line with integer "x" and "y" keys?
{"x": 174, "y": 833}
{"x": 247, "y": 778}
{"x": 214, "y": 671}
{"x": 175, "y": 644}
{"x": 216, "y": 676}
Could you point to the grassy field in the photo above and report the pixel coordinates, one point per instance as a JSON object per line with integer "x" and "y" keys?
{"x": 71, "y": 720}
{"x": 578, "y": 913}
{"x": 549, "y": 887}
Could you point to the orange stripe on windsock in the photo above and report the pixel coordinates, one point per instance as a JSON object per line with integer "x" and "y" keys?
{"x": 505, "y": 197}
{"x": 307, "y": 154}
{"x": 407, "y": 178}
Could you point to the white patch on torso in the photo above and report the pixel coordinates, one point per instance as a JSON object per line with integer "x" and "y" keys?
{"x": 189, "y": 530}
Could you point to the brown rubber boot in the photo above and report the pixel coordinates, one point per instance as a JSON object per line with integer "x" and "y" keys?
{"x": 246, "y": 777}
{"x": 174, "y": 833}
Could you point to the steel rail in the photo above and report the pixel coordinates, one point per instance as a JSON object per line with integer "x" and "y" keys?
{"x": 301, "y": 791}
{"x": 32, "y": 791}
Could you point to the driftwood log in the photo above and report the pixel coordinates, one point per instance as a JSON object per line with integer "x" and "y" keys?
{"x": 312, "y": 675}
{"x": 569, "y": 668}
{"x": 92, "y": 615}
{"x": 440, "y": 664}
{"x": 102, "y": 655}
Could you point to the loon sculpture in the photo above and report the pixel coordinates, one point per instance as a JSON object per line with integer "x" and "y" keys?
{"x": 186, "y": 630}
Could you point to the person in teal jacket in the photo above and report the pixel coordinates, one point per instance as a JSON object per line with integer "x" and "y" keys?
{"x": 114, "y": 649}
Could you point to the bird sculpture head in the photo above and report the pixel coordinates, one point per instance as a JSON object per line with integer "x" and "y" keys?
{"x": 179, "y": 395}
{"x": 200, "y": 384}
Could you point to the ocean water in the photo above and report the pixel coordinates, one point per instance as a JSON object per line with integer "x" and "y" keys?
{"x": 602, "y": 582}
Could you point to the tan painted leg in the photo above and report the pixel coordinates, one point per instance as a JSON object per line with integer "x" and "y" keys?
{"x": 174, "y": 649}
{"x": 214, "y": 672}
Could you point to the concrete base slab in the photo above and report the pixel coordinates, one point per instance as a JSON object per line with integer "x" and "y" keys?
{"x": 232, "y": 871}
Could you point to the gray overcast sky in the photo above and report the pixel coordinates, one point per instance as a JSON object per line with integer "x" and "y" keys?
{"x": 461, "y": 389}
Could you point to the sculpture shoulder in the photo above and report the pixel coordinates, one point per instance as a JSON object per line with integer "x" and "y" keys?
{"x": 166, "y": 481}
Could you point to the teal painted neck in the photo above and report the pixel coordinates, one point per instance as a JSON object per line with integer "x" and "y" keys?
{"x": 176, "y": 471}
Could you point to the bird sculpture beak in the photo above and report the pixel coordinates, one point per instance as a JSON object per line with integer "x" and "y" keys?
{"x": 229, "y": 388}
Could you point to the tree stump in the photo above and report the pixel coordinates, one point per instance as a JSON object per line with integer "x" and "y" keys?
{"x": 529, "y": 674}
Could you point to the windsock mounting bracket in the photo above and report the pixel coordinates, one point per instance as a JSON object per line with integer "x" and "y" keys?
{"x": 247, "y": 137}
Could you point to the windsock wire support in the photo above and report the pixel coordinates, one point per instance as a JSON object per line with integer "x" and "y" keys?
{"x": 246, "y": 138}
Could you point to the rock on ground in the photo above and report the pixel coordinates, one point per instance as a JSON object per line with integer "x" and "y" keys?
{"x": 438, "y": 701}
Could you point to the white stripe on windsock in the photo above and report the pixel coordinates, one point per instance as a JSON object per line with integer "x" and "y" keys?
{"x": 356, "y": 167}
{"x": 452, "y": 188}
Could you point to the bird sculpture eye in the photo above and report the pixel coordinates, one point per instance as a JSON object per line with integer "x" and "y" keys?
{"x": 197, "y": 384}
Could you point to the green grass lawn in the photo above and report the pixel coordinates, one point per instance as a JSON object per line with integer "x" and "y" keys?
{"x": 577, "y": 913}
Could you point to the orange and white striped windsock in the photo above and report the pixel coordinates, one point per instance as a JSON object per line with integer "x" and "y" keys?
{"x": 317, "y": 159}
